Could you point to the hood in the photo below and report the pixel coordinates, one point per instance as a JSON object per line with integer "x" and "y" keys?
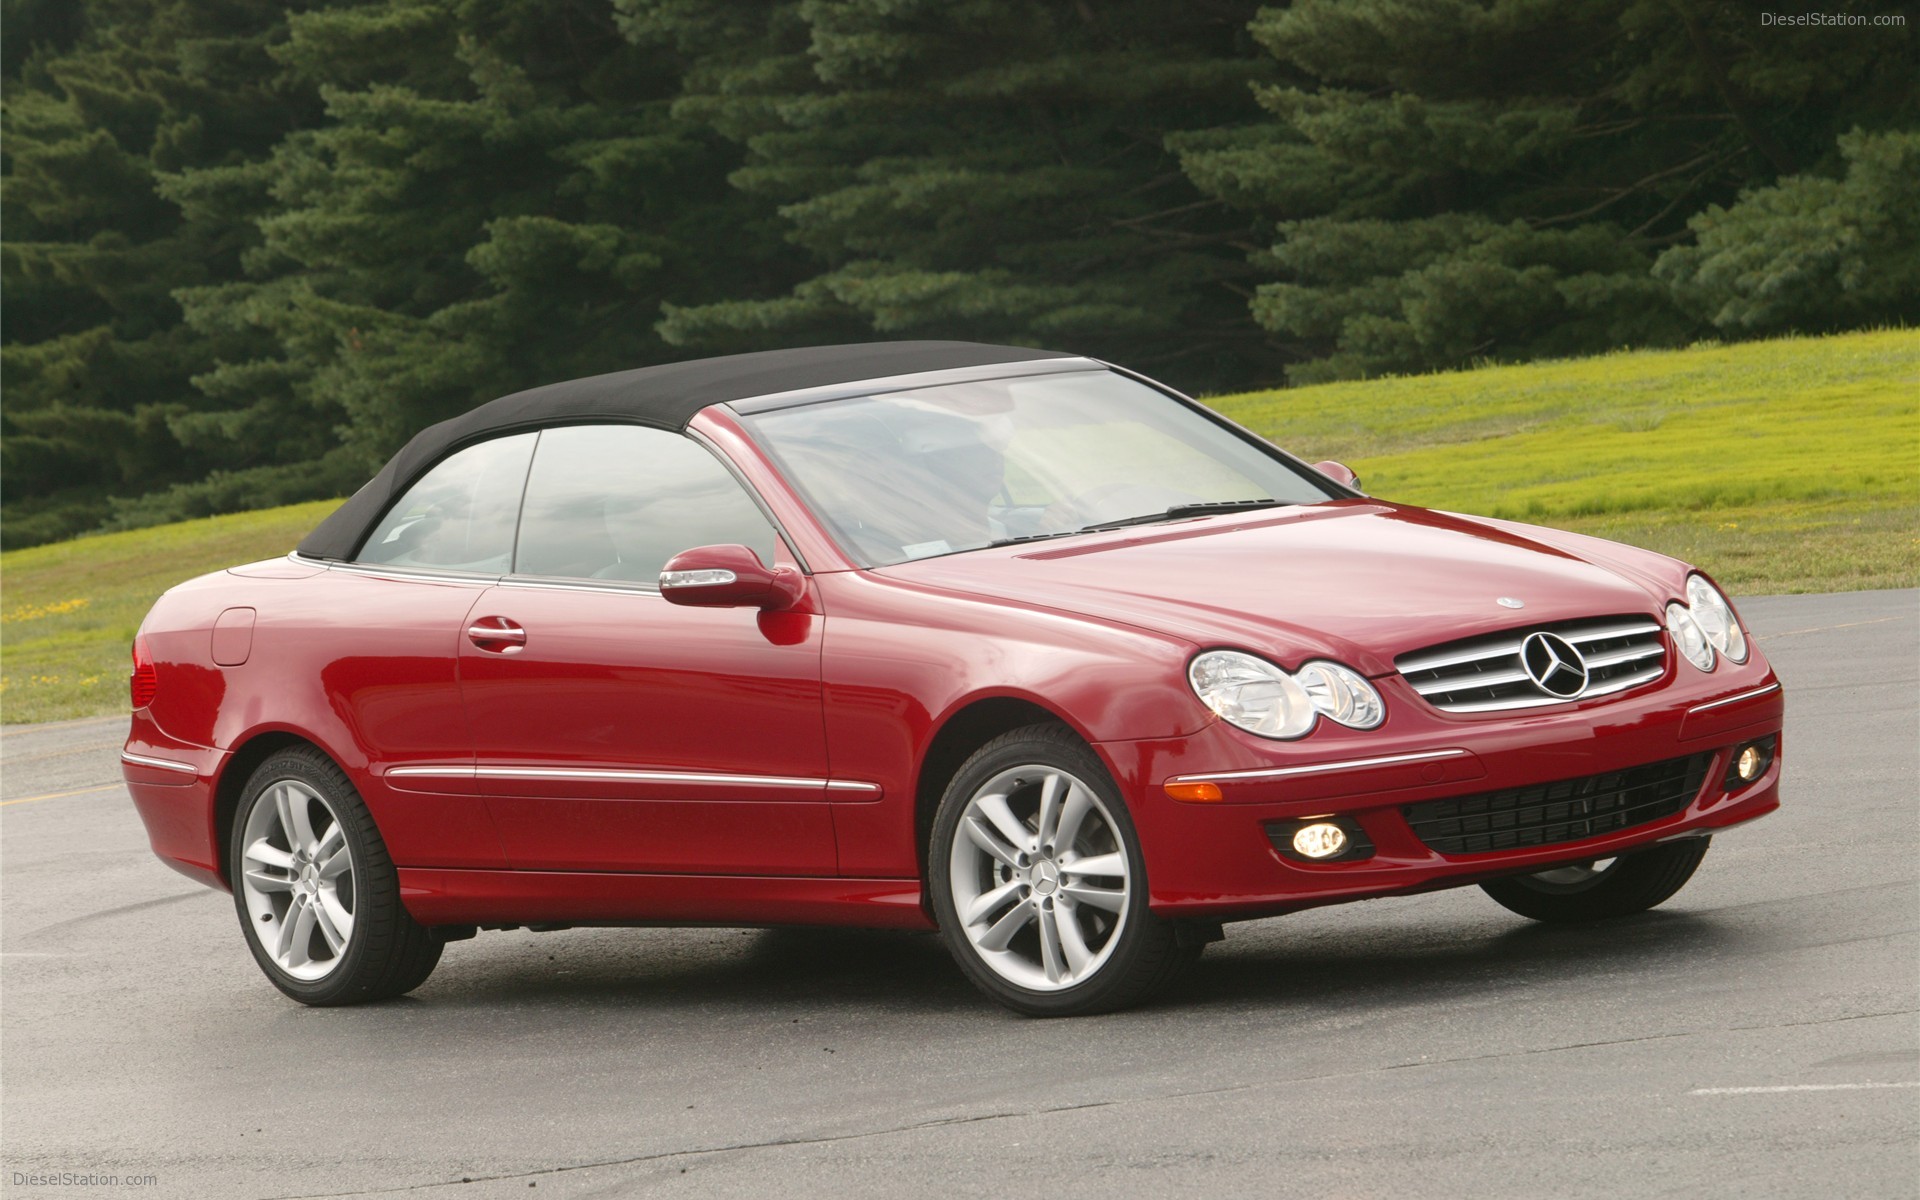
{"x": 1359, "y": 581}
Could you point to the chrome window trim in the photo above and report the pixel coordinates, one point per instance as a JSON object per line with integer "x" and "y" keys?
{"x": 1737, "y": 697}
{"x": 798, "y": 397}
{"x": 398, "y": 574}
{"x": 1346, "y": 764}
{"x": 567, "y": 583}
{"x": 617, "y": 775}
{"x": 164, "y": 764}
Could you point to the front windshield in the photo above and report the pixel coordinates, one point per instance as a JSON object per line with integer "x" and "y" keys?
{"x": 937, "y": 470}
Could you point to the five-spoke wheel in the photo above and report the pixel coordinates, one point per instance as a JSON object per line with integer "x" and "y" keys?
{"x": 1038, "y": 881}
{"x": 298, "y": 879}
{"x": 316, "y": 893}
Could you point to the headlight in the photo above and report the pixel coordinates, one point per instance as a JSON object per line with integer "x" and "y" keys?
{"x": 1715, "y": 617}
{"x": 1342, "y": 693}
{"x": 1688, "y": 635}
{"x": 1257, "y": 696}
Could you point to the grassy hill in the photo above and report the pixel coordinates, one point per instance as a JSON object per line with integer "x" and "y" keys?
{"x": 68, "y": 611}
{"x": 1782, "y": 466}
{"x": 1789, "y": 465}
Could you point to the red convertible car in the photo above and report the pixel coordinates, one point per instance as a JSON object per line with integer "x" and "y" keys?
{"x": 1011, "y": 644}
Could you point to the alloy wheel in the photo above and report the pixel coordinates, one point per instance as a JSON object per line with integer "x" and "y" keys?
{"x": 1039, "y": 878}
{"x": 297, "y": 879}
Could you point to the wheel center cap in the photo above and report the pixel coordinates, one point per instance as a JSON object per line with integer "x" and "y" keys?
{"x": 1046, "y": 878}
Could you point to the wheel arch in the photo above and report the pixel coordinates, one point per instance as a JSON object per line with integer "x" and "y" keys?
{"x": 969, "y": 726}
{"x": 240, "y": 764}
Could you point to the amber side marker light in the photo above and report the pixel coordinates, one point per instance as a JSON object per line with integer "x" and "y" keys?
{"x": 1194, "y": 793}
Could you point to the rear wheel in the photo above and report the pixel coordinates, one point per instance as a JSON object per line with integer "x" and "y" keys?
{"x": 1594, "y": 891}
{"x": 318, "y": 898}
{"x": 1038, "y": 883}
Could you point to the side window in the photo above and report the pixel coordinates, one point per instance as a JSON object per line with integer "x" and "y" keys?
{"x": 618, "y": 501}
{"x": 460, "y": 515}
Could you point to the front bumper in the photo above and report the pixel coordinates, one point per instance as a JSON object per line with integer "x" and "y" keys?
{"x": 1215, "y": 859}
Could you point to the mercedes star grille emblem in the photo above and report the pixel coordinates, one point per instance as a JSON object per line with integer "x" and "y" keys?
{"x": 1553, "y": 664}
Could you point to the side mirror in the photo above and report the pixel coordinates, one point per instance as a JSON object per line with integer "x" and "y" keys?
{"x": 727, "y": 577}
{"x": 1339, "y": 473}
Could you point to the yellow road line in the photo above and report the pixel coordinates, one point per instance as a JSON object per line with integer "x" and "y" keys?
{"x": 105, "y": 787}
{"x": 1824, "y": 628}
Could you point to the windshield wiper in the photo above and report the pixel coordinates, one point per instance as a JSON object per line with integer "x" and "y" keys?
{"x": 1199, "y": 508}
{"x": 1032, "y": 537}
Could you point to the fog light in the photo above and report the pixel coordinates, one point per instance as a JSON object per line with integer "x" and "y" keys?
{"x": 1749, "y": 762}
{"x": 1323, "y": 840}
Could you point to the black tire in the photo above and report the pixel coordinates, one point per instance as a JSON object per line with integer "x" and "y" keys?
{"x": 387, "y": 953}
{"x": 1634, "y": 882}
{"x": 1145, "y": 952}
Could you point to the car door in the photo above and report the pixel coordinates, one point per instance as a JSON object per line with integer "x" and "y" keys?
{"x": 385, "y": 637}
{"x": 614, "y": 731}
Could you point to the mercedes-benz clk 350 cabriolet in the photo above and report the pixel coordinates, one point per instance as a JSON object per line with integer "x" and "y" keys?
{"x": 1015, "y": 645}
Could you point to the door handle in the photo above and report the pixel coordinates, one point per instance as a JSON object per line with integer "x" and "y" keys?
{"x": 497, "y": 634}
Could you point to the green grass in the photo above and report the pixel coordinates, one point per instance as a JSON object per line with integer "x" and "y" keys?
{"x": 1782, "y": 466}
{"x": 68, "y": 611}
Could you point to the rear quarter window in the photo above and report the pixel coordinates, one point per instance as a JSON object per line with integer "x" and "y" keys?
{"x": 461, "y": 515}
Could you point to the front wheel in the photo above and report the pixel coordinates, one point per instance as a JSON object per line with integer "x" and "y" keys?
{"x": 318, "y": 898}
{"x": 1038, "y": 882}
{"x": 1595, "y": 891}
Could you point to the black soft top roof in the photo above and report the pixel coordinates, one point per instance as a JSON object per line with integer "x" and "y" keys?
{"x": 666, "y": 397}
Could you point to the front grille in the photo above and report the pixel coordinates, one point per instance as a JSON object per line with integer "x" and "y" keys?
{"x": 1486, "y": 674}
{"x": 1546, "y": 814}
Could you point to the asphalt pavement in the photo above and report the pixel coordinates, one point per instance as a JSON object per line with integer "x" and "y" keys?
{"x": 1755, "y": 1037}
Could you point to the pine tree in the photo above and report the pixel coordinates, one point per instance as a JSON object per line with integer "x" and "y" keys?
{"x": 1811, "y": 253}
{"x": 500, "y": 197}
{"x": 1451, "y": 180}
{"x": 103, "y": 105}
{"x": 990, "y": 169}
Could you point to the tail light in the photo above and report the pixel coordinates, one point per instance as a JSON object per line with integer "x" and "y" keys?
{"x": 145, "y": 681}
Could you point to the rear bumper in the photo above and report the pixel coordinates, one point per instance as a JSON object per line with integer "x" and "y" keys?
{"x": 1216, "y": 859}
{"x": 172, "y": 784}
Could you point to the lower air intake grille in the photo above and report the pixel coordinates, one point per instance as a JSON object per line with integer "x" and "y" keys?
{"x": 1547, "y": 814}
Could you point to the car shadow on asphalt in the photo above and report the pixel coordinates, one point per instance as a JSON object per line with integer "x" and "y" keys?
{"x": 1261, "y": 963}
{"x": 1379, "y": 967}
